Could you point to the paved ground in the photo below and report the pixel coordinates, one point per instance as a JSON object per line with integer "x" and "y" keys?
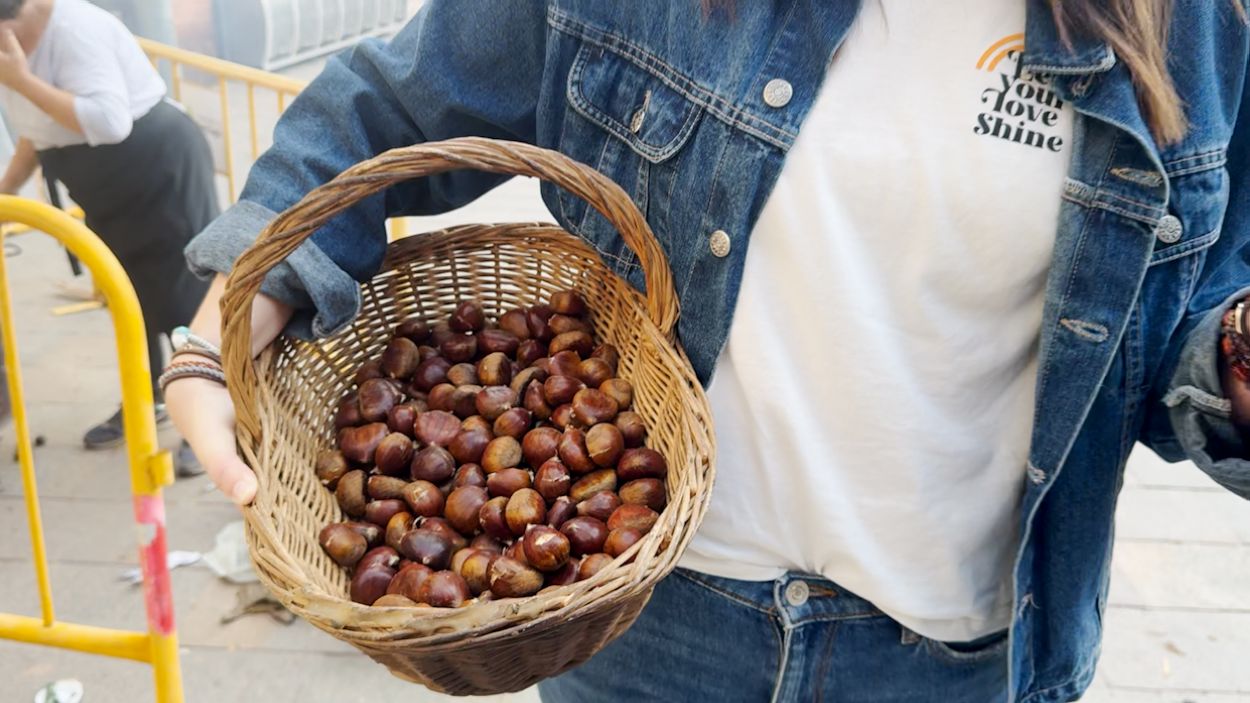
{"x": 1178, "y": 627}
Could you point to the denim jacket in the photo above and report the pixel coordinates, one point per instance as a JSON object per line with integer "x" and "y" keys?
{"x": 1151, "y": 245}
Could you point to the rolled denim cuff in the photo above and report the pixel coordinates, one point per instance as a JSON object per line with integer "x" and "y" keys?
{"x": 1199, "y": 411}
{"x": 325, "y": 298}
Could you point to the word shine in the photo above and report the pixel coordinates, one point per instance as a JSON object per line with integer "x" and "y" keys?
{"x": 1019, "y": 108}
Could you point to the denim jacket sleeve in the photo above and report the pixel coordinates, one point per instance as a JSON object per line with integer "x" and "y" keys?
{"x": 459, "y": 68}
{"x": 1188, "y": 415}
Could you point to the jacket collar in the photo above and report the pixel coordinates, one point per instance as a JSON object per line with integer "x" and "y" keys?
{"x": 1045, "y": 51}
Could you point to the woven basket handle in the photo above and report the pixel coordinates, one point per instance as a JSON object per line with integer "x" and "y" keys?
{"x": 300, "y": 221}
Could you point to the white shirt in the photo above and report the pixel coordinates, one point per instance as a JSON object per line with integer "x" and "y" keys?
{"x": 874, "y": 403}
{"x": 90, "y": 54}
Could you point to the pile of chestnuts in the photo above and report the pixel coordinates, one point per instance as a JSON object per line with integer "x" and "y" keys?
{"x": 479, "y": 460}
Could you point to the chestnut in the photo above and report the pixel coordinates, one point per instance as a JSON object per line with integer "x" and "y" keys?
{"x": 592, "y": 565}
{"x": 645, "y": 491}
{"x": 379, "y": 556}
{"x": 457, "y": 559}
{"x": 529, "y": 351}
{"x": 464, "y": 400}
{"x": 485, "y": 543}
{"x": 468, "y": 445}
{"x": 371, "y": 532}
{"x": 459, "y": 348}
{"x": 592, "y": 483}
{"x": 393, "y": 454}
{"x": 513, "y": 322}
{"x": 462, "y": 374}
{"x": 564, "y": 575}
{"x": 586, "y": 534}
{"x": 535, "y": 401}
{"x": 591, "y": 406}
{"x": 492, "y": 518}
{"x": 641, "y": 462}
{"x": 608, "y": 353}
{"x": 543, "y": 311}
{"x": 330, "y": 467}
{"x": 561, "y": 511}
{"x": 359, "y": 443}
{"x": 433, "y": 464}
{"x": 380, "y": 487}
{"x": 539, "y": 445}
{"x": 632, "y": 428}
{"x": 430, "y": 373}
{"x": 573, "y": 451}
{"x": 558, "y": 390}
{"x": 599, "y": 506}
{"x": 497, "y": 341}
{"x": 510, "y": 578}
{"x": 552, "y": 479}
{"x": 400, "y": 358}
{"x": 407, "y": 581}
{"x": 427, "y": 547}
{"x": 376, "y": 397}
{"x": 604, "y": 443}
{"x": 467, "y": 317}
{"x": 350, "y": 493}
{"x": 398, "y": 526}
{"x": 380, "y": 512}
{"x": 562, "y": 417}
{"x": 342, "y": 543}
{"x": 501, "y": 453}
{"x": 401, "y": 418}
{"x": 444, "y": 589}
{"x": 478, "y": 423}
{"x": 516, "y": 551}
{"x": 368, "y": 371}
{"x": 523, "y": 378}
{"x": 428, "y": 352}
{"x": 514, "y": 422}
{"x": 565, "y": 363}
{"x": 394, "y": 600}
{"x": 423, "y": 498}
{"x": 437, "y": 427}
{"x": 543, "y": 364}
{"x": 620, "y": 540}
{"x": 493, "y": 401}
{"x": 568, "y": 302}
{"x": 368, "y": 585}
{"x": 463, "y": 508}
{"x": 638, "y": 517}
{"x": 348, "y": 413}
{"x": 495, "y": 369}
{"x": 620, "y": 390}
{"x": 440, "y": 397}
{"x": 414, "y": 328}
{"x": 476, "y": 570}
{"x": 441, "y": 332}
{"x": 560, "y": 324}
{"x": 440, "y": 526}
{"x": 505, "y": 482}
{"x": 594, "y": 372}
{"x": 524, "y": 508}
{"x": 546, "y": 548}
{"x": 576, "y": 341}
{"x": 469, "y": 475}
{"x": 538, "y": 328}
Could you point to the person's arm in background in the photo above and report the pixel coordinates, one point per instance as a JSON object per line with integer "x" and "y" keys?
{"x": 470, "y": 67}
{"x": 21, "y": 167}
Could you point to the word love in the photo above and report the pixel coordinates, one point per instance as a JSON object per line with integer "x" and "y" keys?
{"x": 1019, "y": 110}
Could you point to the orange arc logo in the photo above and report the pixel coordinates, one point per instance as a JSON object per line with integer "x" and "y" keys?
{"x": 999, "y": 50}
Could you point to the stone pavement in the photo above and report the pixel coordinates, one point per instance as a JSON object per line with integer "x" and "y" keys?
{"x": 1178, "y": 625}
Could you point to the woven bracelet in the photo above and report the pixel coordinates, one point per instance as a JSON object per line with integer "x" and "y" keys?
{"x": 191, "y": 369}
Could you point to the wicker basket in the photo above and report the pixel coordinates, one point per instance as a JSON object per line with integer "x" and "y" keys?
{"x": 285, "y": 403}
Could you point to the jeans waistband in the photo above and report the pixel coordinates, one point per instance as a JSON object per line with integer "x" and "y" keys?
{"x": 795, "y": 597}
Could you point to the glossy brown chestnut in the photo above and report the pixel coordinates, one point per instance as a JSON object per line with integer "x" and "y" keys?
{"x": 641, "y": 462}
{"x": 379, "y": 556}
{"x": 632, "y": 428}
{"x": 476, "y": 570}
{"x": 440, "y": 397}
{"x": 414, "y": 328}
{"x": 505, "y": 482}
{"x": 573, "y": 451}
{"x": 561, "y": 511}
{"x": 408, "y": 580}
{"x": 462, "y": 374}
{"x": 638, "y": 517}
{"x": 514, "y": 323}
{"x": 525, "y": 508}
{"x": 350, "y": 493}
{"x": 457, "y": 559}
{"x": 524, "y": 378}
{"x": 592, "y": 483}
{"x": 424, "y": 498}
{"x": 371, "y": 532}
{"x": 591, "y": 406}
{"x": 514, "y": 422}
{"x": 444, "y": 589}
{"x": 621, "y": 539}
{"x": 558, "y": 390}
{"x": 565, "y": 363}
{"x": 586, "y": 534}
{"x": 599, "y": 506}
{"x": 537, "y": 324}
{"x": 398, "y": 526}
{"x": 428, "y": 351}
{"x": 579, "y": 342}
{"x": 568, "y": 302}
{"x": 645, "y": 491}
{"x": 430, "y": 373}
{"x": 400, "y": 358}
{"x": 380, "y": 487}
{"x": 620, "y": 390}
{"x": 530, "y": 351}
{"x": 552, "y": 479}
{"x": 443, "y": 527}
{"x": 539, "y": 445}
{"x": 536, "y": 401}
{"x": 467, "y": 317}
{"x": 501, "y": 453}
{"x": 394, "y": 454}
{"x": 427, "y": 547}
{"x": 468, "y": 445}
{"x": 510, "y": 578}
{"x": 394, "y": 600}
{"x": 401, "y": 418}
{"x": 562, "y": 417}
{"x": 330, "y": 467}
{"x": 516, "y": 551}
{"x": 493, "y": 401}
{"x": 348, "y": 413}
{"x": 592, "y": 565}
{"x": 604, "y": 443}
{"x": 380, "y": 512}
{"x": 594, "y": 372}
{"x": 359, "y": 443}
{"x": 441, "y": 332}
{"x": 368, "y": 371}
{"x": 492, "y": 519}
{"x": 497, "y": 341}
{"x": 564, "y": 575}
{"x": 561, "y": 324}
{"x": 469, "y": 475}
{"x": 464, "y": 400}
{"x": 463, "y": 507}
{"x": 344, "y": 545}
{"x": 433, "y": 464}
{"x": 485, "y": 543}
{"x": 368, "y": 585}
{"x": 546, "y": 548}
{"x": 376, "y": 397}
{"x": 437, "y": 427}
{"x": 495, "y": 369}
{"x": 478, "y": 423}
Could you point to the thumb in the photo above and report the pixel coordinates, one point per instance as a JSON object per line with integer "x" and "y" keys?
{"x": 232, "y": 477}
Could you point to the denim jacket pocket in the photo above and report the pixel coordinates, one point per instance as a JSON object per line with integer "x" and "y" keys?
{"x": 1199, "y": 196}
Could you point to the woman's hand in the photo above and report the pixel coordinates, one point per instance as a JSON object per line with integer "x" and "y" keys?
{"x": 13, "y": 67}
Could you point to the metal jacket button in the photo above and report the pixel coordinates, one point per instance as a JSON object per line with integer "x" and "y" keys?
{"x": 777, "y": 92}
{"x": 797, "y": 593}
{"x": 1169, "y": 229}
{"x": 719, "y": 243}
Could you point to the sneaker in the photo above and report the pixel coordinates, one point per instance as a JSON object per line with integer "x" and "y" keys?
{"x": 110, "y": 433}
{"x": 185, "y": 463}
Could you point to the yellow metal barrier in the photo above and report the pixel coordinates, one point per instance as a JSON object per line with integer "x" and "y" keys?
{"x": 150, "y": 467}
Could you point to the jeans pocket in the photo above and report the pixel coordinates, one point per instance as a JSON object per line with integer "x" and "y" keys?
{"x": 975, "y": 652}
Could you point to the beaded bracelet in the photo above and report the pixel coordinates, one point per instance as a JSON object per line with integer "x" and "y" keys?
{"x": 1235, "y": 343}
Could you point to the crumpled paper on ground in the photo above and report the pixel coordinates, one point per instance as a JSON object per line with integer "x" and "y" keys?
{"x": 228, "y": 557}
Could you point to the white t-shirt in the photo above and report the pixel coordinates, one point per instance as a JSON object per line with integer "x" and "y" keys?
{"x": 89, "y": 53}
{"x": 874, "y": 403}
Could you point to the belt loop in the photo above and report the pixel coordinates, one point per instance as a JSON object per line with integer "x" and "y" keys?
{"x": 908, "y": 637}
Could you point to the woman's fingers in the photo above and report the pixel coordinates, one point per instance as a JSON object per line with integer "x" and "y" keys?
{"x": 202, "y": 412}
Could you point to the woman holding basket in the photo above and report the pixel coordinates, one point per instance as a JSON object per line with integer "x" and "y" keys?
{"x": 991, "y": 246}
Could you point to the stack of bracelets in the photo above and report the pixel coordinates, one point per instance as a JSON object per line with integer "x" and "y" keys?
{"x": 202, "y": 359}
{"x": 1235, "y": 343}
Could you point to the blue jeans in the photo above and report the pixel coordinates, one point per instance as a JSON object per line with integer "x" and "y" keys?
{"x": 799, "y": 638}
